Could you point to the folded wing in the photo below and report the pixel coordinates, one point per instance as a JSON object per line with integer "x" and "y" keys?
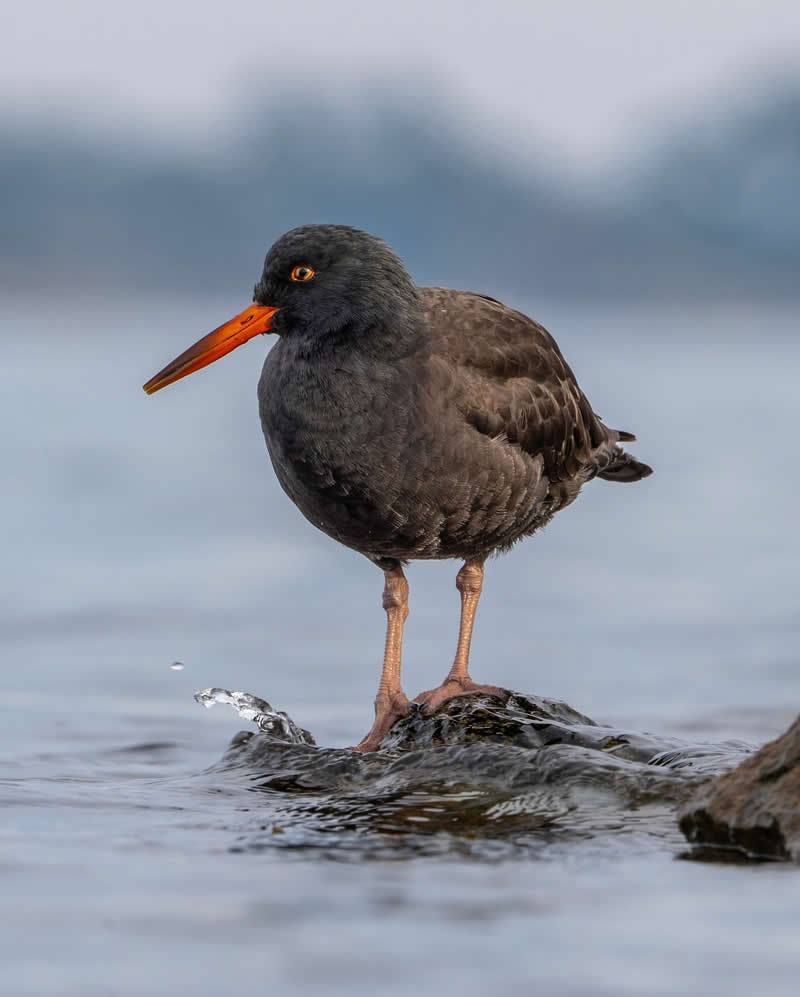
{"x": 514, "y": 384}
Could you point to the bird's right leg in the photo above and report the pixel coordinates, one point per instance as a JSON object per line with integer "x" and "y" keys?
{"x": 391, "y": 702}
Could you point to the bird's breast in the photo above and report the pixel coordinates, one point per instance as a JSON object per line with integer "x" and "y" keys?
{"x": 379, "y": 458}
{"x": 334, "y": 437}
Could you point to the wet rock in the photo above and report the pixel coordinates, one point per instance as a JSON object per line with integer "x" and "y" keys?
{"x": 535, "y": 722}
{"x": 754, "y": 809}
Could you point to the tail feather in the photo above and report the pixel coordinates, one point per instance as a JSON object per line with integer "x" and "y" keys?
{"x": 625, "y": 467}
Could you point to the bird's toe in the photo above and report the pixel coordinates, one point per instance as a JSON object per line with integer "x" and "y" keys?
{"x": 452, "y": 688}
{"x": 388, "y": 711}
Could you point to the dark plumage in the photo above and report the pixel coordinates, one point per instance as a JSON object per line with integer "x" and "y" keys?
{"x": 412, "y": 423}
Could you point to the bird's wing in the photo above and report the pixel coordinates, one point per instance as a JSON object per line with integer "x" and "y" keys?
{"x": 508, "y": 378}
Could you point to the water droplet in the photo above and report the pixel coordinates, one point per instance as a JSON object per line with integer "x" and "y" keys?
{"x": 177, "y": 666}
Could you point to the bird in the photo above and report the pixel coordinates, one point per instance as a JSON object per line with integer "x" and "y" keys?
{"x": 411, "y": 423}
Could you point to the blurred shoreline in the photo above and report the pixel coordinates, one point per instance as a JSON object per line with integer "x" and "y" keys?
{"x": 707, "y": 212}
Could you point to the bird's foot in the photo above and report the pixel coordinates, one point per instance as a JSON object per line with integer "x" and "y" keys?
{"x": 452, "y": 688}
{"x": 387, "y": 712}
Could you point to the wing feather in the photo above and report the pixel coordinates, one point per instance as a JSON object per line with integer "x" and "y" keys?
{"x": 511, "y": 382}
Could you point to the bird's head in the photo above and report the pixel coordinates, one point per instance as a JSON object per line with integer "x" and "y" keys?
{"x": 318, "y": 280}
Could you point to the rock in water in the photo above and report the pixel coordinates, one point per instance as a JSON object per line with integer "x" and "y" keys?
{"x": 754, "y": 809}
{"x": 483, "y": 776}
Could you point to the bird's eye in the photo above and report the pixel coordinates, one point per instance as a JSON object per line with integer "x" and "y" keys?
{"x": 301, "y": 274}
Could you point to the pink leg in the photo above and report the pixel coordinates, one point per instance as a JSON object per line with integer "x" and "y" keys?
{"x": 469, "y": 582}
{"x": 391, "y": 702}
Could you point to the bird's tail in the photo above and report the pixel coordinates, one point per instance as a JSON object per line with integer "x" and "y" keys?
{"x": 624, "y": 466}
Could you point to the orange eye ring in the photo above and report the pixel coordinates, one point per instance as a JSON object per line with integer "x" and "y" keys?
{"x": 302, "y": 274}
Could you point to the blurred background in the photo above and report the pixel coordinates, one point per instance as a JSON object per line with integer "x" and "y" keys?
{"x": 612, "y": 151}
{"x": 627, "y": 173}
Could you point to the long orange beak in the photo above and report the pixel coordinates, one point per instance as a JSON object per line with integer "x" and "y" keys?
{"x": 251, "y": 322}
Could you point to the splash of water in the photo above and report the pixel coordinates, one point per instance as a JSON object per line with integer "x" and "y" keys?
{"x": 274, "y": 723}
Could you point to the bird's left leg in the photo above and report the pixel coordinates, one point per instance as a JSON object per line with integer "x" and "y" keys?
{"x": 391, "y": 703}
{"x": 469, "y": 582}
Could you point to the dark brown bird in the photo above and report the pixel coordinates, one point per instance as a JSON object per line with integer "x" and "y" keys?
{"x": 411, "y": 423}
